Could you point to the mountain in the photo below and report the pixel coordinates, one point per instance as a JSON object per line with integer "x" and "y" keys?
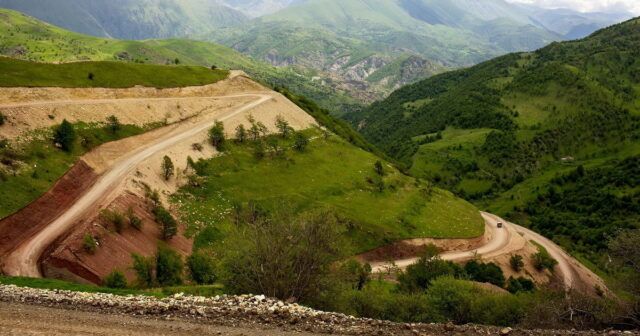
{"x": 255, "y": 8}
{"x": 371, "y": 47}
{"x": 27, "y": 38}
{"x": 500, "y": 133}
{"x": 131, "y": 19}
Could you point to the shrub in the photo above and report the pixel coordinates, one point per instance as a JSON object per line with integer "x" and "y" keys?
{"x": 542, "y": 260}
{"x": 482, "y": 272}
{"x": 113, "y": 124}
{"x": 283, "y": 126}
{"x": 143, "y": 267}
{"x": 113, "y": 217}
{"x": 202, "y": 268}
{"x": 241, "y": 133}
{"x": 169, "y": 266}
{"x": 379, "y": 168}
{"x": 258, "y": 150}
{"x": 285, "y": 256}
{"x": 217, "y": 137}
{"x": 134, "y": 220}
{"x": 516, "y": 262}
{"x": 417, "y": 277}
{"x": 520, "y": 284}
{"x": 168, "y": 223}
{"x": 115, "y": 279}
{"x": 167, "y": 168}
{"x": 2, "y": 119}
{"x": 64, "y": 135}
{"x": 89, "y": 244}
{"x": 301, "y": 142}
{"x": 197, "y": 146}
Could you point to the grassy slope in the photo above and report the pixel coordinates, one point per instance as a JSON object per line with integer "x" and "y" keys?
{"x": 574, "y": 99}
{"x": 42, "y": 164}
{"x": 27, "y": 38}
{"x": 331, "y": 174}
{"x": 17, "y": 73}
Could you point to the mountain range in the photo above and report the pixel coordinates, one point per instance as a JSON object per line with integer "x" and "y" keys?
{"x": 367, "y": 48}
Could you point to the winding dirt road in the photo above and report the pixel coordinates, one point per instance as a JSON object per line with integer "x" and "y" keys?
{"x": 24, "y": 260}
{"x": 503, "y": 240}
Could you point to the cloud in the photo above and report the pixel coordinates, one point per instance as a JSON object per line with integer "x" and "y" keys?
{"x": 632, "y": 6}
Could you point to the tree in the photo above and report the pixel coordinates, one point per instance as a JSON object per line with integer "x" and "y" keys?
{"x": 167, "y": 168}
{"x": 285, "y": 255}
{"x": 143, "y": 267}
{"x": 625, "y": 251}
{"x": 176, "y": 61}
{"x": 520, "y": 284}
{"x": 254, "y": 130}
{"x": 283, "y": 126}
{"x": 418, "y": 277}
{"x": 378, "y": 168}
{"x": 113, "y": 217}
{"x": 115, "y": 279}
{"x": 516, "y": 262}
{"x": 301, "y": 142}
{"x": 202, "y": 268}
{"x": 64, "y": 136}
{"x": 216, "y": 136}
{"x": 90, "y": 76}
{"x": 113, "y": 124}
{"x": 275, "y": 147}
{"x": 169, "y": 266}
{"x": 168, "y": 224}
{"x": 241, "y": 133}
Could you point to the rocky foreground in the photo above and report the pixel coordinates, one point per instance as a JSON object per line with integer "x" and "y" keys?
{"x": 246, "y": 310}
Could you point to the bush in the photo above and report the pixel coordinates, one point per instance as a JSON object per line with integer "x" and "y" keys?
{"x": 134, "y": 220}
{"x": 167, "y": 167}
{"x": 144, "y": 270}
{"x": 115, "y": 279}
{"x": 379, "y": 168}
{"x": 169, "y": 266}
{"x": 113, "y": 124}
{"x": 241, "y": 133}
{"x": 64, "y": 136}
{"x": 2, "y": 119}
{"x": 217, "y": 136}
{"x": 113, "y": 217}
{"x": 258, "y": 150}
{"x": 481, "y": 272}
{"x": 520, "y": 284}
{"x": 283, "y": 126}
{"x": 516, "y": 262}
{"x": 542, "y": 260}
{"x": 301, "y": 142}
{"x": 202, "y": 268}
{"x": 417, "y": 277}
{"x": 285, "y": 256}
{"x": 167, "y": 222}
{"x": 89, "y": 244}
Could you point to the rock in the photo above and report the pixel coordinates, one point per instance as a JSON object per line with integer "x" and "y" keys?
{"x": 505, "y": 331}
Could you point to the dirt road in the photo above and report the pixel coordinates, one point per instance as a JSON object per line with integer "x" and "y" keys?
{"x": 503, "y": 241}
{"x": 24, "y": 260}
{"x": 21, "y": 319}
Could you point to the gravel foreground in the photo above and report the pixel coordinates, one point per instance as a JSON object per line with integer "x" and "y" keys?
{"x": 247, "y": 312}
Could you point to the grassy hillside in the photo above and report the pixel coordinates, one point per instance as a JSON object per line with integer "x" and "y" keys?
{"x": 131, "y": 19}
{"x": 498, "y": 133}
{"x": 104, "y": 74}
{"x": 331, "y": 174}
{"x": 27, "y": 38}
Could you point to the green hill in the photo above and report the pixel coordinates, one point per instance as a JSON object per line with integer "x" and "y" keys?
{"x": 24, "y": 37}
{"x": 499, "y": 132}
{"x": 131, "y": 19}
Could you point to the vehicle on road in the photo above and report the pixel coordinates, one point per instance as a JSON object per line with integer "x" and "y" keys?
{"x": 500, "y": 225}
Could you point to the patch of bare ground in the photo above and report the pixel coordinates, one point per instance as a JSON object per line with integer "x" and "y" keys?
{"x": 70, "y": 260}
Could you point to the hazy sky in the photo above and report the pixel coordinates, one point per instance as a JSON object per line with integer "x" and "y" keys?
{"x": 589, "y": 5}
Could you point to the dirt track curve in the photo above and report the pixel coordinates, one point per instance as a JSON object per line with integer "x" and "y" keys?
{"x": 573, "y": 274}
{"x": 23, "y": 261}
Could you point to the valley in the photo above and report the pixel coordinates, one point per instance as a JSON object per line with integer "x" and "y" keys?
{"x": 364, "y": 167}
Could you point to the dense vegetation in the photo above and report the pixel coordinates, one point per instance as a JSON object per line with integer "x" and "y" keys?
{"x": 498, "y": 132}
{"x": 17, "y": 73}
